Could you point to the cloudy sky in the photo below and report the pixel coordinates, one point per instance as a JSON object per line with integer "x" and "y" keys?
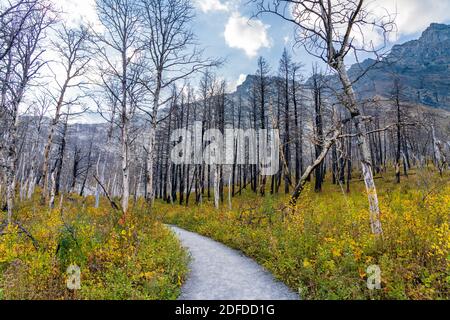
{"x": 224, "y": 29}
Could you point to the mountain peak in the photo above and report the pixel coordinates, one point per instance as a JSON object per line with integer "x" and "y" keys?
{"x": 422, "y": 66}
{"x": 436, "y": 32}
{"x": 246, "y": 86}
{"x": 438, "y": 26}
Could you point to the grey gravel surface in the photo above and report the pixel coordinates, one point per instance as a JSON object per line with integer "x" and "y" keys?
{"x": 218, "y": 272}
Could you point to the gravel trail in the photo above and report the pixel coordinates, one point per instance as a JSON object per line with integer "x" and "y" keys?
{"x": 221, "y": 273}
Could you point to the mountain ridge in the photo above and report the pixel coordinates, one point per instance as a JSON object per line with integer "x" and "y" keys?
{"x": 422, "y": 67}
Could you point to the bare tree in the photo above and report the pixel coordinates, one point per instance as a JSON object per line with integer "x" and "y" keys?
{"x": 298, "y": 121}
{"x": 396, "y": 96}
{"x": 14, "y": 16}
{"x": 441, "y": 160}
{"x": 330, "y": 30}
{"x": 262, "y": 93}
{"x": 317, "y": 88}
{"x": 41, "y": 108}
{"x": 330, "y": 139}
{"x": 118, "y": 48}
{"x": 72, "y": 47}
{"x": 172, "y": 50}
{"x": 284, "y": 71}
{"x": 219, "y": 115}
{"x": 20, "y": 67}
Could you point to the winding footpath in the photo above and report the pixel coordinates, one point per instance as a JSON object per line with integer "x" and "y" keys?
{"x": 220, "y": 273}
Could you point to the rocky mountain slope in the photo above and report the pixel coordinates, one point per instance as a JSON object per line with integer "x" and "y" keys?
{"x": 422, "y": 66}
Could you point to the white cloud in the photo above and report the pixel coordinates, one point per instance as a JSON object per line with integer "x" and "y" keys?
{"x": 75, "y": 12}
{"x": 233, "y": 86}
{"x": 410, "y": 16}
{"x": 248, "y": 35}
{"x": 211, "y": 5}
{"x": 241, "y": 79}
{"x": 415, "y": 16}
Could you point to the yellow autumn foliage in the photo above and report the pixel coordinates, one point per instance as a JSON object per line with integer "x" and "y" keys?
{"x": 141, "y": 260}
{"x": 323, "y": 246}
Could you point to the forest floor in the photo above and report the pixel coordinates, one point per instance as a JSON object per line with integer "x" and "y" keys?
{"x": 220, "y": 273}
{"x": 323, "y": 247}
{"x": 140, "y": 259}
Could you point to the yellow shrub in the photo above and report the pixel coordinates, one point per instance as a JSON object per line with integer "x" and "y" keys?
{"x": 141, "y": 260}
{"x": 323, "y": 245}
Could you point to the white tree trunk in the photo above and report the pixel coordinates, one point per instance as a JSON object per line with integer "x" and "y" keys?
{"x": 23, "y": 185}
{"x": 31, "y": 183}
{"x": 230, "y": 204}
{"x": 11, "y": 162}
{"x": 150, "y": 196}
{"x": 112, "y": 189}
{"x": 51, "y": 203}
{"x": 217, "y": 186}
{"x": 441, "y": 161}
{"x": 169, "y": 183}
{"x": 97, "y": 189}
{"x": 350, "y": 103}
{"x": 125, "y": 169}
{"x": 10, "y": 189}
{"x": 151, "y": 145}
{"x": 49, "y": 144}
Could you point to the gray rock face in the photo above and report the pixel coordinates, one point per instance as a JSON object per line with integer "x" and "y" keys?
{"x": 422, "y": 66}
{"x": 220, "y": 273}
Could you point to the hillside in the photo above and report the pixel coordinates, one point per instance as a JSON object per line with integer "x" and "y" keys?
{"x": 422, "y": 66}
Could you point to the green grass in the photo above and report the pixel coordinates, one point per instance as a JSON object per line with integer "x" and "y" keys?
{"x": 139, "y": 260}
{"x": 323, "y": 246}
